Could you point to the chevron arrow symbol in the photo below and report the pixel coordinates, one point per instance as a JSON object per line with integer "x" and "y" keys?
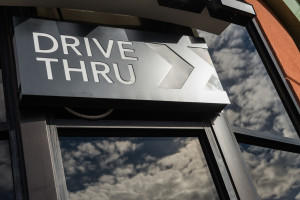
{"x": 180, "y": 70}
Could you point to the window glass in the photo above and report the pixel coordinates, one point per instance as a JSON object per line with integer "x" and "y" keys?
{"x": 275, "y": 173}
{"x": 255, "y": 103}
{"x": 2, "y": 103}
{"x": 6, "y": 181}
{"x": 136, "y": 168}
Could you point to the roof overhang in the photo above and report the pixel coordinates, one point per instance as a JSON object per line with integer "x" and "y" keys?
{"x": 213, "y": 17}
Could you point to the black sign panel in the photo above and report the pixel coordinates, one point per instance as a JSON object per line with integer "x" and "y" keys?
{"x": 63, "y": 63}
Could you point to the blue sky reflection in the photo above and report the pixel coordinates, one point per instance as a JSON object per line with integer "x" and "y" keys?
{"x": 254, "y": 102}
{"x": 136, "y": 168}
{"x": 275, "y": 173}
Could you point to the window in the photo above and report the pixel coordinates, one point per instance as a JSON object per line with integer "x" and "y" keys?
{"x": 153, "y": 164}
{"x": 275, "y": 173}
{"x": 255, "y": 103}
{"x": 258, "y": 118}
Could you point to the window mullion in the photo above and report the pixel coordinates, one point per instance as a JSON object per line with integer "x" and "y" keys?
{"x": 233, "y": 159}
{"x": 266, "y": 140}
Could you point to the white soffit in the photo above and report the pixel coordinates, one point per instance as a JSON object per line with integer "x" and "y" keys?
{"x": 140, "y": 8}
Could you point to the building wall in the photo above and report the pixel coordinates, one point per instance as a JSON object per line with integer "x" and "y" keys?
{"x": 281, "y": 43}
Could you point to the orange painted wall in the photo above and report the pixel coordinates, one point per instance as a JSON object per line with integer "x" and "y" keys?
{"x": 283, "y": 46}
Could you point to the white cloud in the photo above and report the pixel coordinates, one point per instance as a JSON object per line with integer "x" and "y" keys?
{"x": 150, "y": 158}
{"x": 106, "y": 146}
{"x": 88, "y": 149}
{"x": 297, "y": 196}
{"x": 182, "y": 175}
{"x": 281, "y": 124}
{"x": 106, "y": 152}
{"x": 275, "y": 173}
{"x": 255, "y": 103}
{"x": 124, "y": 146}
{"x": 109, "y": 179}
{"x": 124, "y": 171}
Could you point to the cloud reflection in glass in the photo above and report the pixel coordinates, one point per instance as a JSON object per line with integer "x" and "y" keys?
{"x": 136, "y": 168}
{"x": 255, "y": 103}
{"x": 275, "y": 173}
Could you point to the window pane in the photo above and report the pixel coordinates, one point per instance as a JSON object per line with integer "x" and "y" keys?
{"x": 255, "y": 103}
{"x": 136, "y": 168}
{"x": 2, "y": 104}
{"x": 6, "y": 181}
{"x": 276, "y": 174}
